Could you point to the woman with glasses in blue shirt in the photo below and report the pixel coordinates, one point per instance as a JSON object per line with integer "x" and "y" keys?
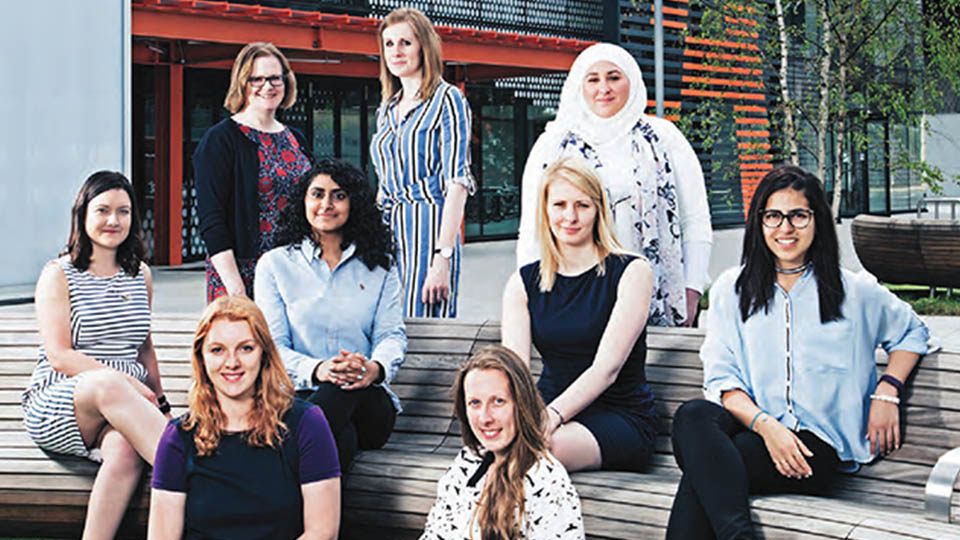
{"x": 790, "y": 376}
{"x": 332, "y": 298}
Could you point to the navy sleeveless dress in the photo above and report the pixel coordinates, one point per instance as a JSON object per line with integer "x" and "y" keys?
{"x": 566, "y": 325}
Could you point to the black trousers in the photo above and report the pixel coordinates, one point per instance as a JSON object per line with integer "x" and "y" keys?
{"x": 723, "y": 462}
{"x": 359, "y": 419}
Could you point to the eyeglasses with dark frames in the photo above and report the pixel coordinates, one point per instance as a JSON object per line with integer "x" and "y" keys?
{"x": 799, "y": 218}
{"x": 275, "y": 81}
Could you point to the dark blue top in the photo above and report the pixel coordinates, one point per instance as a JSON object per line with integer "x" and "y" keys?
{"x": 226, "y": 173}
{"x": 566, "y": 325}
{"x": 241, "y": 491}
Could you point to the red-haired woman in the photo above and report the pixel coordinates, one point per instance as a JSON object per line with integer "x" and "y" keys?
{"x": 248, "y": 460}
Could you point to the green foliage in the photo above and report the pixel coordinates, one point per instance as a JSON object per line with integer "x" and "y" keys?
{"x": 942, "y": 301}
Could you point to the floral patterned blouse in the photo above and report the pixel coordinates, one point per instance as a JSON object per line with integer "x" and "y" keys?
{"x": 281, "y": 164}
{"x": 552, "y": 505}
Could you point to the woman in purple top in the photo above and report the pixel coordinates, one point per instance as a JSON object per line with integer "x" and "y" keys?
{"x": 245, "y": 168}
{"x": 248, "y": 460}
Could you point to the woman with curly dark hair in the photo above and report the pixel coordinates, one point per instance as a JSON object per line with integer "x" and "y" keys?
{"x": 331, "y": 295}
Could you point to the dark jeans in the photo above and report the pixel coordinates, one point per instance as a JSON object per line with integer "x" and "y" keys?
{"x": 722, "y": 464}
{"x": 359, "y": 419}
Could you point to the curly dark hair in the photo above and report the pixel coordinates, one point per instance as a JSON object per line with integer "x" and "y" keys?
{"x": 130, "y": 253}
{"x": 756, "y": 282}
{"x": 365, "y": 226}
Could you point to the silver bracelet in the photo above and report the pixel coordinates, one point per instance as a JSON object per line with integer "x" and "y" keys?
{"x": 888, "y": 399}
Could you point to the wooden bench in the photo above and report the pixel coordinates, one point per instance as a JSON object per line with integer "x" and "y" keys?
{"x": 389, "y": 491}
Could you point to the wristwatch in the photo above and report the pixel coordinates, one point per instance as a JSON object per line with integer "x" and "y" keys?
{"x": 446, "y": 253}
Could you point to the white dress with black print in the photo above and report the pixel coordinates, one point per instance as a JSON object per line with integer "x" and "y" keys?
{"x": 552, "y": 505}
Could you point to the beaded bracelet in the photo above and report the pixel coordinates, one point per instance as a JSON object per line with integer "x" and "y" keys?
{"x": 888, "y": 399}
{"x": 893, "y": 381}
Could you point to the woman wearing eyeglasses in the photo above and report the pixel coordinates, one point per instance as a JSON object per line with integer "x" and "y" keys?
{"x": 245, "y": 168}
{"x": 789, "y": 370}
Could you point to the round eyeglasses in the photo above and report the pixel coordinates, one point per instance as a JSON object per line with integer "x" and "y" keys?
{"x": 275, "y": 81}
{"x": 798, "y": 218}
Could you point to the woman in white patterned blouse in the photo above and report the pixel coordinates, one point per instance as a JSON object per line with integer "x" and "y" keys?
{"x": 504, "y": 483}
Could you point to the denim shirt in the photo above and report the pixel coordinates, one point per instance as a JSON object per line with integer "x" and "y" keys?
{"x": 314, "y": 312}
{"x": 806, "y": 374}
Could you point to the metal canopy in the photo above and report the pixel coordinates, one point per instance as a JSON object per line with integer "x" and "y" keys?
{"x": 208, "y": 34}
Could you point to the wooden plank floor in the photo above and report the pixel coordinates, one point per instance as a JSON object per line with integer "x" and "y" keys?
{"x": 389, "y": 492}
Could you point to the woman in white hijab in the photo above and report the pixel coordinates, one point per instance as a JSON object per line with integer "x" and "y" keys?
{"x": 652, "y": 176}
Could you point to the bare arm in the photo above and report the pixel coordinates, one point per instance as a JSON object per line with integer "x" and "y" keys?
{"x": 437, "y": 285}
{"x": 786, "y": 449}
{"x": 53, "y": 315}
{"x": 515, "y": 319}
{"x": 166, "y": 514}
{"x": 883, "y": 425}
{"x": 146, "y": 354}
{"x": 627, "y": 321}
{"x": 321, "y": 509}
{"x": 226, "y": 265}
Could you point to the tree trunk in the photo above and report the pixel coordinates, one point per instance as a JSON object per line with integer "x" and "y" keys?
{"x": 789, "y": 130}
{"x": 823, "y": 109}
{"x": 841, "y": 124}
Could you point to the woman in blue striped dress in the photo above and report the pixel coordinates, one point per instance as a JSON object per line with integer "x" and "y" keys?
{"x": 95, "y": 391}
{"x": 421, "y": 152}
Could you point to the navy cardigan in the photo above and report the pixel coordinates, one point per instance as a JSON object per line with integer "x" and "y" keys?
{"x": 226, "y": 170}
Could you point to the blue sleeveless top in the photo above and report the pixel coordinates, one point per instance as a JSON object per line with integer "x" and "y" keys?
{"x": 566, "y": 325}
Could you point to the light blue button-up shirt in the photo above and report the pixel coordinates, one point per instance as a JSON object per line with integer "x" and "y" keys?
{"x": 314, "y": 312}
{"x": 806, "y": 374}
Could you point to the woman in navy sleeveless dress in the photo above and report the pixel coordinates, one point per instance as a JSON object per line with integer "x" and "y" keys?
{"x": 95, "y": 391}
{"x": 583, "y": 306}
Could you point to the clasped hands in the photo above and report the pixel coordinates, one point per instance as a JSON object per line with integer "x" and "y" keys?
{"x": 349, "y": 371}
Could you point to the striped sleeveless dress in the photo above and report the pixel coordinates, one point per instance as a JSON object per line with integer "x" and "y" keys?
{"x": 416, "y": 157}
{"x": 109, "y": 320}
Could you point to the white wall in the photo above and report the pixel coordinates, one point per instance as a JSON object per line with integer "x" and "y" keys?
{"x": 942, "y": 147}
{"x": 64, "y": 103}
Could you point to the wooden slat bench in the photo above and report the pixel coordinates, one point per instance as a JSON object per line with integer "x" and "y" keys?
{"x": 389, "y": 491}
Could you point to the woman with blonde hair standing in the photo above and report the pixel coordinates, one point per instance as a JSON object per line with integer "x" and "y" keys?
{"x": 421, "y": 152}
{"x": 504, "y": 483}
{"x": 248, "y": 460}
{"x": 245, "y": 167}
{"x": 584, "y": 305}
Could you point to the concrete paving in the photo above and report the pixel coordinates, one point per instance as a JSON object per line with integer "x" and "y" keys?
{"x": 486, "y": 267}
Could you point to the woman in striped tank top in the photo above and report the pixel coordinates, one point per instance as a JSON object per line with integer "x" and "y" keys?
{"x": 95, "y": 391}
{"x": 421, "y": 152}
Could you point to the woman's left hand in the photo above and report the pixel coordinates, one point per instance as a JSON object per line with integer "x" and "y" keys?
{"x": 353, "y": 371}
{"x": 436, "y": 288}
{"x": 883, "y": 427}
{"x": 693, "y": 302}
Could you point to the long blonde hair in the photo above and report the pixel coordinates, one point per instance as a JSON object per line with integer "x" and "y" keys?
{"x": 431, "y": 54}
{"x": 501, "y": 511}
{"x": 273, "y": 393}
{"x": 582, "y": 176}
{"x": 236, "y": 99}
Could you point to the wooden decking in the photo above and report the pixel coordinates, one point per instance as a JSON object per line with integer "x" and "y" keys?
{"x": 389, "y": 491}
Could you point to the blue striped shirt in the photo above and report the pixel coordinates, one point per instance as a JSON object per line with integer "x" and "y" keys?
{"x": 417, "y": 156}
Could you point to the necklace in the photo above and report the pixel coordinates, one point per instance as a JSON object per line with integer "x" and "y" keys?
{"x": 794, "y": 270}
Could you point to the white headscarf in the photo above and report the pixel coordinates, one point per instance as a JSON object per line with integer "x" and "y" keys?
{"x": 652, "y": 217}
{"x": 574, "y": 114}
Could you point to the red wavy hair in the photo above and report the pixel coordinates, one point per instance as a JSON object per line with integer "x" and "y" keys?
{"x": 273, "y": 391}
